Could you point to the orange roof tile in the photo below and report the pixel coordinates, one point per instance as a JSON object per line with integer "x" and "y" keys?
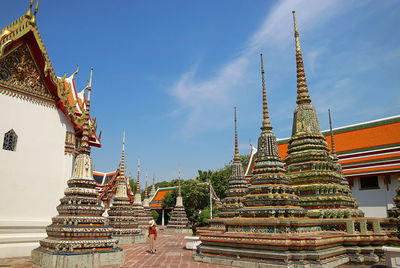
{"x": 161, "y": 194}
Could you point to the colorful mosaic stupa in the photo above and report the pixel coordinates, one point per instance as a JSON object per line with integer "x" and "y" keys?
{"x": 318, "y": 180}
{"x": 146, "y": 201}
{"x": 270, "y": 194}
{"x": 140, "y": 214}
{"x": 121, "y": 216}
{"x": 273, "y": 230}
{"x": 237, "y": 185}
{"x": 79, "y": 235}
{"x": 179, "y": 221}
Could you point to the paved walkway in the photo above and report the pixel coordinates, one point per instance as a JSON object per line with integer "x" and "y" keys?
{"x": 170, "y": 254}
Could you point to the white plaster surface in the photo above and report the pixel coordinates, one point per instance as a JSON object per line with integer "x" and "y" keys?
{"x": 392, "y": 256}
{"x": 34, "y": 176}
{"x": 192, "y": 242}
{"x": 376, "y": 202}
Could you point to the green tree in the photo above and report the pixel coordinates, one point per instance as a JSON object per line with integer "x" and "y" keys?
{"x": 133, "y": 185}
{"x": 195, "y": 198}
{"x": 169, "y": 200}
{"x": 155, "y": 215}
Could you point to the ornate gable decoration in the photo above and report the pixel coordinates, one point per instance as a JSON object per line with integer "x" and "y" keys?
{"x": 19, "y": 75}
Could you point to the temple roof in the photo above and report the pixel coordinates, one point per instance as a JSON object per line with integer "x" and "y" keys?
{"x": 103, "y": 177}
{"x": 25, "y": 31}
{"x": 156, "y": 201}
{"x": 365, "y": 148}
{"x": 108, "y": 185}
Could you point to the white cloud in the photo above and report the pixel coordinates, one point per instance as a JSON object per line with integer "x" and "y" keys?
{"x": 208, "y": 103}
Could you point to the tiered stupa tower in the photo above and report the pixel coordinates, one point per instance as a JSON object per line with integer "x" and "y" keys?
{"x": 79, "y": 235}
{"x": 237, "y": 185}
{"x": 153, "y": 189}
{"x": 334, "y": 155}
{"x": 273, "y": 229}
{"x": 146, "y": 203}
{"x": 121, "y": 215}
{"x": 270, "y": 194}
{"x": 315, "y": 176}
{"x": 179, "y": 221}
{"x": 140, "y": 214}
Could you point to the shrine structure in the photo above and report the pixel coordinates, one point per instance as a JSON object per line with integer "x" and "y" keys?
{"x": 277, "y": 227}
{"x": 146, "y": 201}
{"x": 79, "y": 236}
{"x": 318, "y": 180}
{"x": 121, "y": 215}
{"x": 42, "y": 116}
{"x": 108, "y": 188}
{"x": 179, "y": 221}
{"x": 237, "y": 185}
{"x": 140, "y": 214}
{"x": 152, "y": 190}
{"x": 237, "y": 189}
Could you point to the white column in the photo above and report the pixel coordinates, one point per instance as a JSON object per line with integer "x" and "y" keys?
{"x": 162, "y": 217}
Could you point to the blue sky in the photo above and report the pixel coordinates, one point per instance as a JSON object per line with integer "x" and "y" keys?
{"x": 170, "y": 72}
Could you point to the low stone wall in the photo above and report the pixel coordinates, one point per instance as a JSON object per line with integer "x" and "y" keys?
{"x": 130, "y": 239}
{"x": 94, "y": 259}
{"x": 178, "y": 230}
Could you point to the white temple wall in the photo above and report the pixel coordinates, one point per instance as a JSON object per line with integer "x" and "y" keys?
{"x": 375, "y": 202}
{"x": 33, "y": 178}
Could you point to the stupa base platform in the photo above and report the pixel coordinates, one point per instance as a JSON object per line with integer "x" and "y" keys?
{"x": 311, "y": 249}
{"x": 250, "y": 258}
{"x": 178, "y": 230}
{"x": 140, "y": 238}
{"x": 130, "y": 239}
{"x": 48, "y": 259}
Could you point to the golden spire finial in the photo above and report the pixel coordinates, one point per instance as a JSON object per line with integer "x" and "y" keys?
{"x": 85, "y": 148}
{"x": 89, "y": 88}
{"x": 302, "y": 91}
{"x": 266, "y": 123}
{"x": 90, "y": 79}
{"x": 33, "y": 19}
{"x": 76, "y": 72}
{"x": 29, "y": 12}
{"x": 145, "y": 189}
{"x": 36, "y": 8}
{"x": 123, "y": 155}
{"x": 236, "y": 157}
{"x": 296, "y": 32}
{"x": 179, "y": 181}
{"x": 332, "y": 140}
{"x": 153, "y": 179}
{"x": 138, "y": 179}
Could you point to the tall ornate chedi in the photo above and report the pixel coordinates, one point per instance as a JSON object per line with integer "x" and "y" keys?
{"x": 179, "y": 221}
{"x": 315, "y": 176}
{"x": 146, "y": 203}
{"x": 140, "y": 214}
{"x": 237, "y": 185}
{"x": 270, "y": 194}
{"x": 152, "y": 190}
{"x": 273, "y": 229}
{"x": 334, "y": 155}
{"x": 121, "y": 215}
{"x": 79, "y": 235}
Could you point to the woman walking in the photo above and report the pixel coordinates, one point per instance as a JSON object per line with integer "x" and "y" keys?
{"x": 152, "y": 236}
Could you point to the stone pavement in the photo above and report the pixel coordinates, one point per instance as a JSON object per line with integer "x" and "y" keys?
{"x": 170, "y": 254}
